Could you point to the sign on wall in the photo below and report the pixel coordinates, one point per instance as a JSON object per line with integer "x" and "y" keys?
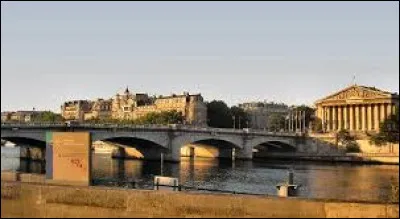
{"x": 68, "y": 157}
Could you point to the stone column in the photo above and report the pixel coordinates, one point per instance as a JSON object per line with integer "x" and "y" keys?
{"x": 328, "y": 120}
{"x": 351, "y": 117}
{"x": 389, "y": 110}
{"x": 340, "y": 118}
{"x": 334, "y": 118}
{"x": 383, "y": 112}
{"x": 376, "y": 117}
{"x": 293, "y": 121}
{"x": 357, "y": 117}
{"x": 364, "y": 118}
{"x": 323, "y": 118}
{"x": 345, "y": 117}
{"x": 369, "y": 117}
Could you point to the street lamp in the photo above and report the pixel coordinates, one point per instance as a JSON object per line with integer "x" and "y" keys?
{"x": 234, "y": 122}
{"x": 286, "y": 122}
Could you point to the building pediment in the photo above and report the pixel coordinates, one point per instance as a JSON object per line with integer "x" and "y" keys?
{"x": 356, "y": 93}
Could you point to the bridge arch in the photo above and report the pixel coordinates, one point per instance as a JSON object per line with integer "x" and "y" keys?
{"x": 232, "y": 141}
{"x": 207, "y": 146}
{"x": 134, "y": 147}
{"x": 159, "y": 138}
{"x": 25, "y": 141}
{"x": 35, "y": 136}
{"x": 274, "y": 144}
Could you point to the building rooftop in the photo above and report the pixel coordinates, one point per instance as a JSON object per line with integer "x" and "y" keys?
{"x": 178, "y": 95}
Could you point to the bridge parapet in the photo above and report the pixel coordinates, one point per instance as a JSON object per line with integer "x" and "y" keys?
{"x": 174, "y": 127}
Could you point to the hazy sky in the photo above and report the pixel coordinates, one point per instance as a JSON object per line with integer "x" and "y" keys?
{"x": 291, "y": 52}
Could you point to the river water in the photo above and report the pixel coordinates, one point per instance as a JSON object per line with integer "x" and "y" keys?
{"x": 317, "y": 180}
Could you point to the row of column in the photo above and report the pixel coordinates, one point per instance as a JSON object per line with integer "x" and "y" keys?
{"x": 363, "y": 117}
{"x": 296, "y": 121}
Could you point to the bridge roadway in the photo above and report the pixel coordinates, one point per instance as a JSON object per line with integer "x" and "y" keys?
{"x": 152, "y": 140}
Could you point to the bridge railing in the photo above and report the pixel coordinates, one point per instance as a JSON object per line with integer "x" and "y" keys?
{"x": 147, "y": 126}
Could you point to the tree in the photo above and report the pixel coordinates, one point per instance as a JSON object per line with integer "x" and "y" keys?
{"x": 48, "y": 116}
{"x": 348, "y": 141}
{"x": 164, "y": 117}
{"x": 241, "y": 117}
{"x": 276, "y": 121}
{"x": 317, "y": 125}
{"x": 388, "y": 131}
{"x": 219, "y": 114}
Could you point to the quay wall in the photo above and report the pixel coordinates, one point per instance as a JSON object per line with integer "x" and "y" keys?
{"x": 23, "y": 199}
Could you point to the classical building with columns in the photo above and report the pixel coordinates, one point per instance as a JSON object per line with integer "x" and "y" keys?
{"x": 356, "y": 108}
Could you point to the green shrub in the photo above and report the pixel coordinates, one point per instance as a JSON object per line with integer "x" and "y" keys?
{"x": 352, "y": 147}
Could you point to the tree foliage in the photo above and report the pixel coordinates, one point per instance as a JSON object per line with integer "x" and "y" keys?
{"x": 276, "y": 121}
{"x": 348, "y": 141}
{"x": 164, "y": 118}
{"x": 317, "y": 125}
{"x": 388, "y": 131}
{"x": 47, "y": 116}
{"x": 221, "y": 116}
{"x": 241, "y": 117}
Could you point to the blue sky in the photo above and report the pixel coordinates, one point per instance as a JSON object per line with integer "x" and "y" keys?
{"x": 291, "y": 52}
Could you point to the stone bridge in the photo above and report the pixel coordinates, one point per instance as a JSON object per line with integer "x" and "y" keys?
{"x": 152, "y": 140}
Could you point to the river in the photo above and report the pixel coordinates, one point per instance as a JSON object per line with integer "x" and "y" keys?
{"x": 340, "y": 181}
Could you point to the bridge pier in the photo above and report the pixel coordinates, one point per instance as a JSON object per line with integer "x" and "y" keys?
{"x": 24, "y": 152}
{"x": 244, "y": 154}
{"x": 174, "y": 154}
{"x": 118, "y": 153}
{"x": 33, "y": 153}
{"x": 225, "y": 153}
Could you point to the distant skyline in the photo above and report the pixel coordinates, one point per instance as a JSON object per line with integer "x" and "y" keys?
{"x": 290, "y": 52}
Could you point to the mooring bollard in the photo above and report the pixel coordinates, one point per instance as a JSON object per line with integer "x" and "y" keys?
{"x": 288, "y": 188}
{"x": 290, "y": 178}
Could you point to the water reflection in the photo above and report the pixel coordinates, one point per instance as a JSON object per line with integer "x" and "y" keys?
{"x": 318, "y": 180}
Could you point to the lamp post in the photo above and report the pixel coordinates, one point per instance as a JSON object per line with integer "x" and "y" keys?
{"x": 239, "y": 122}
{"x": 325, "y": 121}
{"x": 234, "y": 122}
{"x": 284, "y": 127}
{"x": 304, "y": 121}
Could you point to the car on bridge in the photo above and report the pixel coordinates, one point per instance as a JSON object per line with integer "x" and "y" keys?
{"x": 72, "y": 123}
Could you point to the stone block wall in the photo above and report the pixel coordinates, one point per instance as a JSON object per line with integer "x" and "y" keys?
{"x": 29, "y": 200}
